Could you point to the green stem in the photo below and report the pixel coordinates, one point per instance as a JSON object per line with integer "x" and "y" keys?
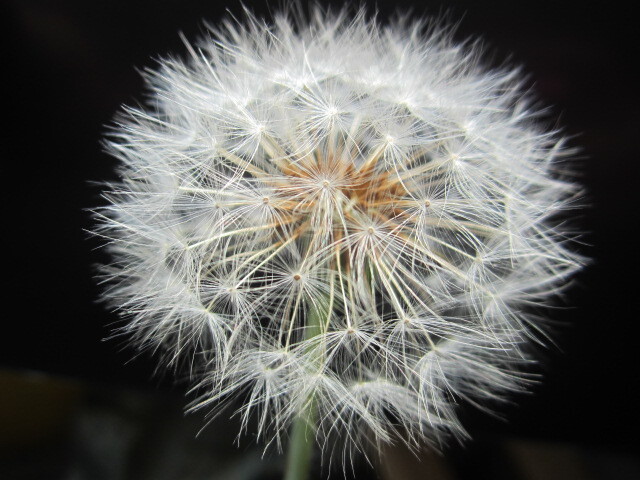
{"x": 302, "y": 438}
{"x": 301, "y": 446}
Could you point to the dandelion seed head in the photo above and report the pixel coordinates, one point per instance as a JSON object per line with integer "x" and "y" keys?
{"x": 328, "y": 210}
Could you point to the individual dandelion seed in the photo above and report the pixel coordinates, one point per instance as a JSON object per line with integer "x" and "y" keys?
{"x": 343, "y": 224}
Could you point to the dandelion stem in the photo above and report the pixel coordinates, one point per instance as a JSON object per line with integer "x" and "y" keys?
{"x": 302, "y": 438}
{"x": 301, "y": 447}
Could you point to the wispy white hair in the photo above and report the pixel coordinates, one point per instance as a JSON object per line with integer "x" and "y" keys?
{"x": 327, "y": 213}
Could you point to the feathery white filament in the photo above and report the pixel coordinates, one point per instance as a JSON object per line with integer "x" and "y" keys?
{"x": 378, "y": 176}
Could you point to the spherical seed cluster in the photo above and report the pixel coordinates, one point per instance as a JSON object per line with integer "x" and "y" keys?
{"x": 332, "y": 215}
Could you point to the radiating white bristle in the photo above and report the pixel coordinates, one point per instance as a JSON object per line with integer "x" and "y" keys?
{"x": 377, "y": 176}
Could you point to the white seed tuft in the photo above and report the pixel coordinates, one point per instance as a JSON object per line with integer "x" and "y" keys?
{"x": 375, "y": 178}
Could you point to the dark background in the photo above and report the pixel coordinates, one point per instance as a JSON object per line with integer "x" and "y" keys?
{"x": 67, "y": 66}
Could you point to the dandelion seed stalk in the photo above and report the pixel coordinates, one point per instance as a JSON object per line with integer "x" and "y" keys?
{"x": 302, "y": 440}
{"x": 301, "y": 446}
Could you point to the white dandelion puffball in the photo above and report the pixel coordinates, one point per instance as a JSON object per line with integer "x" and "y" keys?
{"x": 335, "y": 215}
